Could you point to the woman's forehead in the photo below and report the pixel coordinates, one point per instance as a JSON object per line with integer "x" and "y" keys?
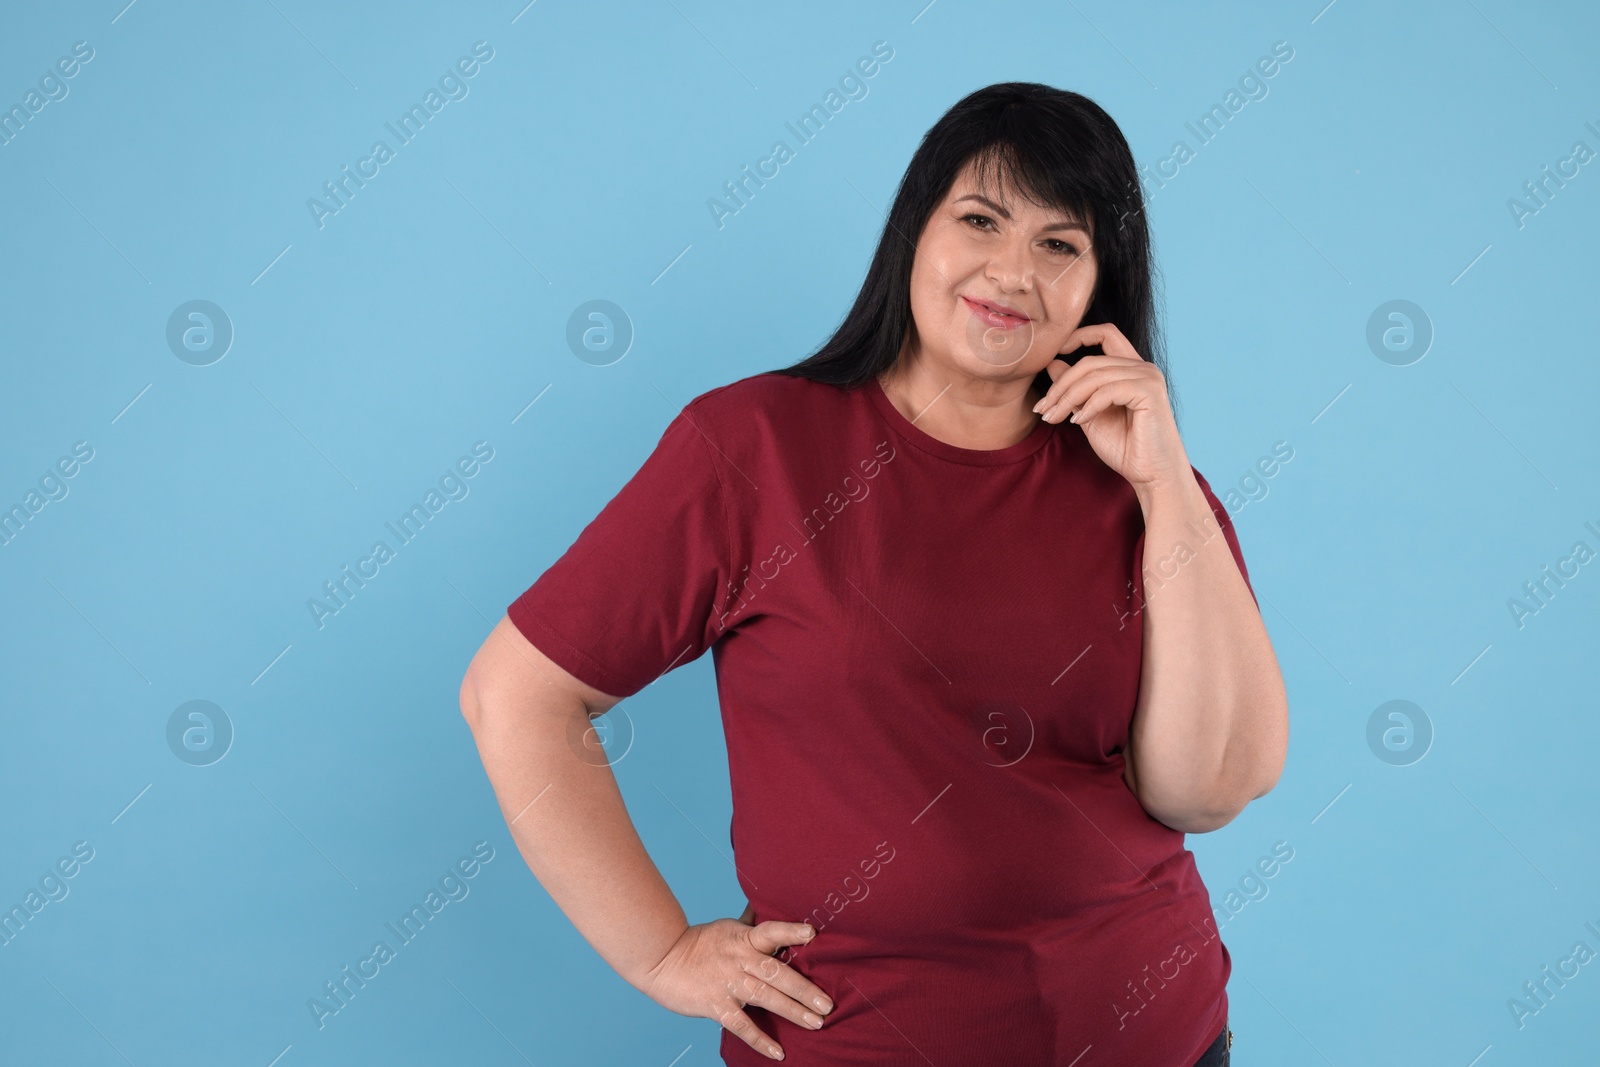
{"x": 996, "y": 178}
{"x": 1011, "y": 199}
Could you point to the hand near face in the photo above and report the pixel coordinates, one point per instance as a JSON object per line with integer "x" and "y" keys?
{"x": 1120, "y": 402}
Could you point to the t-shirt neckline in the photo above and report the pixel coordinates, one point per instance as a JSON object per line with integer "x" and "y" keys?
{"x": 926, "y": 442}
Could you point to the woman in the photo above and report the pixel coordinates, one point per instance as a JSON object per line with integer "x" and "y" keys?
{"x": 979, "y": 671}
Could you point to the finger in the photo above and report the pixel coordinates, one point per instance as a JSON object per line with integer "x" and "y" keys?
{"x": 753, "y": 990}
{"x": 1121, "y": 393}
{"x": 1107, "y": 336}
{"x": 772, "y": 935}
{"x": 736, "y": 1022}
{"x": 1091, "y": 406}
{"x": 749, "y": 914}
{"x": 1085, "y": 413}
{"x": 1075, "y": 395}
{"x": 1061, "y": 379}
{"x": 1066, "y": 375}
{"x": 785, "y": 979}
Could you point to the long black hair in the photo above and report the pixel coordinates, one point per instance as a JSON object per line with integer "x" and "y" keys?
{"x": 1058, "y": 149}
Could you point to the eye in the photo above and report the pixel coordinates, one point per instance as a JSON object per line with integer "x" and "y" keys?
{"x": 1063, "y": 249}
{"x": 980, "y": 218}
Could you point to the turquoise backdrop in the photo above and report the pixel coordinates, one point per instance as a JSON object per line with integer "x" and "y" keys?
{"x": 240, "y": 344}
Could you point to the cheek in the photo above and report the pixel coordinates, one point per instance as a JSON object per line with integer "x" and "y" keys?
{"x": 1070, "y": 298}
{"x": 933, "y": 292}
{"x": 947, "y": 261}
{"x": 1063, "y": 320}
{"x": 935, "y": 273}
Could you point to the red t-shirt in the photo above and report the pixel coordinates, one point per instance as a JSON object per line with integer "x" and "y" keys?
{"x": 927, "y": 658}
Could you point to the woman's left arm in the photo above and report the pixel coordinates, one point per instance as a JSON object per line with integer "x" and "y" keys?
{"x": 1210, "y": 729}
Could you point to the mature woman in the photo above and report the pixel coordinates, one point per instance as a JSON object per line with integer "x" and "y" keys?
{"x": 979, "y": 671}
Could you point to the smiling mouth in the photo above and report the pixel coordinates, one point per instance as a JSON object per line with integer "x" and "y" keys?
{"x": 995, "y": 317}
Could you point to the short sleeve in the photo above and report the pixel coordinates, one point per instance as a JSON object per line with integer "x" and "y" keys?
{"x": 636, "y": 594}
{"x": 1226, "y": 522}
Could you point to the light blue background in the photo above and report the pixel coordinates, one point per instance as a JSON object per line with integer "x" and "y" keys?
{"x": 428, "y": 314}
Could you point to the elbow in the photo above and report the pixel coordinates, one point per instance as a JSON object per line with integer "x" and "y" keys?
{"x": 1269, "y": 767}
{"x": 512, "y": 686}
{"x": 1268, "y": 784}
{"x": 469, "y": 699}
{"x": 1207, "y": 805}
{"x": 1196, "y": 814}
{"x": 1195, "y": 820}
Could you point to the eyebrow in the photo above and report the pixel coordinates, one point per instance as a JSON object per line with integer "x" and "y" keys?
{"x": 1003, "y": 213}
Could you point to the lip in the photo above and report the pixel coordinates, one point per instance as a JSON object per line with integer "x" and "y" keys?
{"x": 989, "y": 309}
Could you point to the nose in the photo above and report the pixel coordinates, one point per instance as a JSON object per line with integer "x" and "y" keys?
{"x": 1010, "y": 267}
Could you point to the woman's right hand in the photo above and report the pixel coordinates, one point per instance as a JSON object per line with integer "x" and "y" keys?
{"x": 717, "y": 968}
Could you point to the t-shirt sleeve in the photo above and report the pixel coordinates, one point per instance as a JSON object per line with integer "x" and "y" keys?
{"x": 636, "y": 594}
{"x": 1221, "y": 512}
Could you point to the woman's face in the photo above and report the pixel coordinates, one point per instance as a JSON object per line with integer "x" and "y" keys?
{"x": 983, "y": 247}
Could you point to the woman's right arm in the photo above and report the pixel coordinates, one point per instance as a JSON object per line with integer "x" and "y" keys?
{"x": 567, "y": 817}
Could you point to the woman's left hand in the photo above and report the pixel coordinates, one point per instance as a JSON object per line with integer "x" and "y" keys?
{"x": 1120, "y": 403}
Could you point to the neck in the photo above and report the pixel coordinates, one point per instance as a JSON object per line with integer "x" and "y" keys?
{"x": 968, "y": 412}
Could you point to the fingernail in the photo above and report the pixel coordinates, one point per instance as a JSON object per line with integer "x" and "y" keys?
{"x": 777, "y": 1053}
{"x": 813, "y": 1021}
{"x": 1073, "y": 417}
{"x": 1038, "y": 406}
{"x": 823, "y": 1004}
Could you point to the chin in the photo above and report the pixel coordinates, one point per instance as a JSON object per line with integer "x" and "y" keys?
{"x": 981, "y": 361}
{"x": 974, "y": 367}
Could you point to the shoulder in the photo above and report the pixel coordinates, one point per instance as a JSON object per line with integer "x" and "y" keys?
{"x": 769, "y": 389}
{"x": 769, "y": 399}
